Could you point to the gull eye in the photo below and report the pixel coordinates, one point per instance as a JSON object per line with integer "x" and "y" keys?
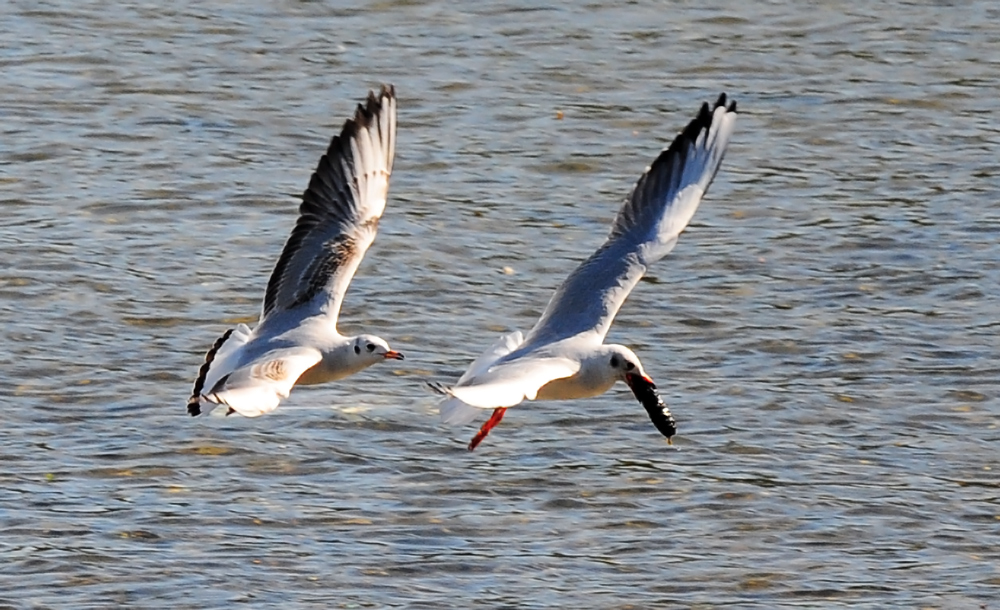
{"x": 629, "y": 366}
{"x": 614, "y": 362}
{"x": 370, "y": 347}
{"x": 357, "y": 349}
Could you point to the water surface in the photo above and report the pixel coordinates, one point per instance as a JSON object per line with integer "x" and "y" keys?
{"x": 825, "y": 332}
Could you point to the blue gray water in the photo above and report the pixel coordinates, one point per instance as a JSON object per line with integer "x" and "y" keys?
{"x": 825, "y": 332}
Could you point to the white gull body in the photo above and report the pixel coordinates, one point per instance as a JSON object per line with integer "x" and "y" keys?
{"x": 564, "y": 356}
{"x": 296, "y": 340}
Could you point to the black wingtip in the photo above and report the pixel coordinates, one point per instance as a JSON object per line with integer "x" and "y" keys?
{"x": 363, "y": 117}
{"x": 702, "y": 122}
{"x": 721, "y": 103}
{"x": 438, "y": 388}
{"x": 364, "y": 114}
{"x": 193, "y": 406}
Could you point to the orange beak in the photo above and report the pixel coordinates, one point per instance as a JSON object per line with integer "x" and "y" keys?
{"x": 393, "y": 355}
{"x": 631, "y": 378}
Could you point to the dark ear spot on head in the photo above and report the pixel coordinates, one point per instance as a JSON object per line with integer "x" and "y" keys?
{"x": 614, "y": 361}
{"x": 357, "y": 349}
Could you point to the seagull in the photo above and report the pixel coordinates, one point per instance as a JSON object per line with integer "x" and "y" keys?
{"x": 564, "y": 357}
{"x": 296, "y": 339}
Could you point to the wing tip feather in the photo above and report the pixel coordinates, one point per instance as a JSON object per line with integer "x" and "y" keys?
{"x": 194, "y": 402}
{"x": 366, "y": 112}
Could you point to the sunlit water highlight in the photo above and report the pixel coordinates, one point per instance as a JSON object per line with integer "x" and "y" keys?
{"x": 825, "y": 332}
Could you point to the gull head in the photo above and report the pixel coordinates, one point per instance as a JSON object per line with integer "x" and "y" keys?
{"x": 371, "y": 349}
{"x": 626, "y": 364}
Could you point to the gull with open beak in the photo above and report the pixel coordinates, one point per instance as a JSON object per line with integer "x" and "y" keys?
{"x": 296, "y": 340}
{"x": 564, "y": 357}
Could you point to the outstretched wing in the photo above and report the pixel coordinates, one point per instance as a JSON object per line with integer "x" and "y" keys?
{"x": 339, "y": 214}
{"x": 646, "y": 229}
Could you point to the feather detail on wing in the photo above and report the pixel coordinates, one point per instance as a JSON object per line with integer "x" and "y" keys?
{"x": 258, "y": 387}
{"x": 646, "y": 229}
{"x": 339, "y": 215}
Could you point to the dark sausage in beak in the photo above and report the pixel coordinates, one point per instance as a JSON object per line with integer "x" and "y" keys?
{"x": 645, "y": 392}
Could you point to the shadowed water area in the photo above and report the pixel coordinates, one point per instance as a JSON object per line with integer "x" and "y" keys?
{"x": 825, "y": 331}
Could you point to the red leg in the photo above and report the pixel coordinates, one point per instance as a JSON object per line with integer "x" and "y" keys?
{"x": 489, "y": 425}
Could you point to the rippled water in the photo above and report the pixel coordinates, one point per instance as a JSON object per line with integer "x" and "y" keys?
{"x": 825, "y": 332}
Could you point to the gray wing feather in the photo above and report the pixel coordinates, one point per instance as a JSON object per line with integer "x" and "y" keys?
{"x": 646, "y": 229}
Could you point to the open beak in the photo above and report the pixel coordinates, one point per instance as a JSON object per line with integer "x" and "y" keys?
{"x": 393, "y": 355}
{"x": 645, "y": 392}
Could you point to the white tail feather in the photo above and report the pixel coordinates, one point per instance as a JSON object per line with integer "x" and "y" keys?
{"x": 454, "y": 412}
